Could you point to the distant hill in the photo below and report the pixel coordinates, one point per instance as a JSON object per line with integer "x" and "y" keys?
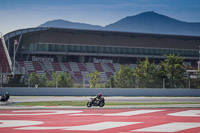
{"x": 147, "y": 22}
{"x": 67, "y": 24}
{"x": 151, "y": 22}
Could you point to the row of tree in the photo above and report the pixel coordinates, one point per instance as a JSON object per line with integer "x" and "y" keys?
{"x": 170, "y": 73}
{"x": 59, "y": 79}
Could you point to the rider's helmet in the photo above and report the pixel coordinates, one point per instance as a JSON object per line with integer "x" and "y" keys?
{"x": 99, "y": 95}
{"x": 7, "y": 94}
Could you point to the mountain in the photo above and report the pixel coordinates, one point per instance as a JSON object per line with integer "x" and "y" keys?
{"x": 67, "y": 24}
{"x": 147, "y": 22}
{"x": 151, "y": 22}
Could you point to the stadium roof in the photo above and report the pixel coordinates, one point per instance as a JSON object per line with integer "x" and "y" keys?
{"x": 28, "y": 30}
{"x": 129, "y": 39}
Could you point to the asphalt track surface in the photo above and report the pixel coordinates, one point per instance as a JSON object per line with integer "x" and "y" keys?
{"x": 108, "y": 99}
{"x": 165, "y": 120}
{"x": 15, "y": 99}
{"x": 109, "y": 119}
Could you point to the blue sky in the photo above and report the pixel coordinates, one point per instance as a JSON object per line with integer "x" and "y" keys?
{"x": 18, "y": 14}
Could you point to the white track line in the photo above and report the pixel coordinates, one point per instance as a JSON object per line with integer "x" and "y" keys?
{"x": 170, "y": 127}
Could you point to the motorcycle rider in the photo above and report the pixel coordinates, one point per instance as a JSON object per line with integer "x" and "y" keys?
{"x": 5, "y": 97}
{"x": 97, "y": 98}
{"x": 97, "y": 101}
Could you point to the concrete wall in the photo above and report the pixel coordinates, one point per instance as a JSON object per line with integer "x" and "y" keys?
{"x": 94, "y": 91}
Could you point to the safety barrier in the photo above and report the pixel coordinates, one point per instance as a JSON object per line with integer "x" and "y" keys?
{"x": 94, "y": 91}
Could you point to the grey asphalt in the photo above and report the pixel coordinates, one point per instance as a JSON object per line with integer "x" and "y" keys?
{"x": 108, "y": 99}
{"x": 14, "y": 99}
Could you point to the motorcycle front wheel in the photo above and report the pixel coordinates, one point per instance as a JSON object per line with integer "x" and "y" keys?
{"x": 101, "y": 104}
{"x": 89, "y": 104}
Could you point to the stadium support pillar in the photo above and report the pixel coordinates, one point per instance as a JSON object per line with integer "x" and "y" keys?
{"x": 163, "y": 83}
{"x": 1, "y": 77}
{"x": 189, "y": 82}
{"x": 82, "y": 59}
{"x": 29, "y": 82}
{"x": 199, "y": 59}
{"x": 83, "y": 82}
{"x": 9, "y": 45}
{"x": 15, "y": 43}
{"x": 56, "y": 80}
{"x": 18, "y": 43}
{"x": 16, "y": 46}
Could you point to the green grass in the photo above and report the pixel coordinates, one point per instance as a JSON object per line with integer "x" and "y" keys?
{"x": 53, "y": 103}
{"x": 112, "y": 104}
{"x": 69, "y": 103}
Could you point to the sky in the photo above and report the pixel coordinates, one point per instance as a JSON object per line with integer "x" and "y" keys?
{"x": 19, "y": 14}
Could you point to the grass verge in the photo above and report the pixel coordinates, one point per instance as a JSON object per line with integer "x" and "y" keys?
{"x": 69, "y": 103}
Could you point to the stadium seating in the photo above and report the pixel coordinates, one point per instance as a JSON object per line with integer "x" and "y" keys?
{"x": 78, "y": 71}
{"x": 85, "y": 75}
{"x": 133, "y": 66}
{"x": 91, "y": 67}
{"x": 78, "y": 75}
{"x": 48, "y": 66}
{"x": 109, "y": 74}
{"x": 37, "y": 66}
{"x": 116, "y": 66}
{"x": 66, "y": 66}
{"x": 103, "y": 76}
{"x": 56, "y": 66}
{"x": 21, "y": 63}
{"x": 98, "y": 67}
{"x": 82, "y": 67}
{"x": 111, "y": 66}
{"x": 74, "y": 66}
{"x": 29, "y": 66}
{"x": 48, "y": 76}
{"x": 4, "y": 63}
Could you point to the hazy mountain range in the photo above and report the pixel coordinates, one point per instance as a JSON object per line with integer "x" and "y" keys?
{"x": 147, "y": 22}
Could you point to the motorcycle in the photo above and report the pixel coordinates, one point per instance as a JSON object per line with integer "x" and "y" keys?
{"x": 5, "y": 97}
{"x": 96, "y": 102}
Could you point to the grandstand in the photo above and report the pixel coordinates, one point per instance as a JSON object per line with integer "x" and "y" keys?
{"x": 79, "y": 52}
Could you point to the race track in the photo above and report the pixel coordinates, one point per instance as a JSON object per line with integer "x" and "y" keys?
{"x": 173, "y": 120}
{"x": 108, "y": 99}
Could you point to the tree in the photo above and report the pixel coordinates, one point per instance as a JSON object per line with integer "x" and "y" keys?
{"x": 198, "y": 79}
{"x": 43, "y": 81}
{"x": 146, "y": 74}
{"x": 94, "y": 79}
{"x": 36, "y": 79}
{"x": 64, "y": 80}
{"x": 173, "y": 69}
{"x": 110, "y": 83}
{"x": 123, "y": 78}
{"x": 61, "y": 79}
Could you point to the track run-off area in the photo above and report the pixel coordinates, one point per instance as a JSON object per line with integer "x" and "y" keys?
{"x": 172, "y": 120}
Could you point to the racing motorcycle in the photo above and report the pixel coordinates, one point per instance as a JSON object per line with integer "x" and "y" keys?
{"x": 5, "y": 97}
{"x": 96, "y": 102}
